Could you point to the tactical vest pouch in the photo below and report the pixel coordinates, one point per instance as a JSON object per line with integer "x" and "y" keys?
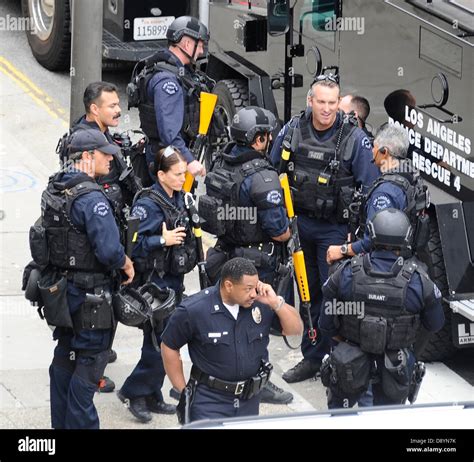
{"x": 396, "y": 379}
{"x": 403, "y": 331}
{"x": 53, "y": 289}
{"x": 259, "y": 258}
{"x": 373, "y": 334}
{"x": 39, "y": 245}
{"x": 208, "y": 208}
{"x": 350, "y": 369}
{"x": 183, "y": 257}
{"x": 344, "y": 200}
{"x": 94, "y": 315}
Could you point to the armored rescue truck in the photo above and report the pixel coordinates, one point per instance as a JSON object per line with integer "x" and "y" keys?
{"x": 413, "y": 60}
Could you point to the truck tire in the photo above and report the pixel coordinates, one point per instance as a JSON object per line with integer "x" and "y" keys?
{"x": 233, "y": 94}
{"x": 50, "y": 37}
{"x": 440, "y": 346}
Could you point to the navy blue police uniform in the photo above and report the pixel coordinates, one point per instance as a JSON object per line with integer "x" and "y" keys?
{"x": 146, "y": 380}
{"x": 82, "y": 353}
{"x": 420, "y": 297}
{"x": 222, "y": 347}
{"x": 401, "y": 189}
{"x": 259, "y": 192}
{"x": 323, "y": 227}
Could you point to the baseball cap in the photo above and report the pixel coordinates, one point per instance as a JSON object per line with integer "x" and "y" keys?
{"x": 88, "y": 140}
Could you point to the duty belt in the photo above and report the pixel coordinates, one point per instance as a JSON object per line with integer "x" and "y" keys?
{"x": 244, "y": 389}
{"x": 84, "y": 280}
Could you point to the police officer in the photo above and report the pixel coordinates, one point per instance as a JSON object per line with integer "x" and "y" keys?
{"x": 360, "y": 107}
{"x": 164, "y": 252}
{"x": 399, "y": 187}
{"x": 226, "y": 328}
{"x": 167, "y": 91}
{"x": 102, "y": 106}
{"x": 84, "y": 244}
{"x": 252, "y": 223}
{"x": 378, "y": 303}
{"x": 332, "y": 157}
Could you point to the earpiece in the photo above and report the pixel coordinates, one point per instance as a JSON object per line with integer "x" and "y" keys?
{"x": 383, "y": 150}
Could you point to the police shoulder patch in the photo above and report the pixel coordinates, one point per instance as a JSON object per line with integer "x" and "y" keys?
{"x": 101, "y": 209}
{"x": 170, "y": 87}
{"x": 274, "y": 197}
{"x": 366, "y": 143}
{"x": 381, "y": 202}
{"x": 140, "y": 212}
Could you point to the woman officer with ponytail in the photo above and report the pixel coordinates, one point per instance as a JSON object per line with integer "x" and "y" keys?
{"x": 164, "y": 252}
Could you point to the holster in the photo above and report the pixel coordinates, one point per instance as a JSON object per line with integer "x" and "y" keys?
{"x": 183, "y": 409}
{"x": 95, "y": 313}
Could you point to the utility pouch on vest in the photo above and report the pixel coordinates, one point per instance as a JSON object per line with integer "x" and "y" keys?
{"x": 39, "y": 245}
{"x": 53, "y": 289}
{"x": 373, "y": 334}
{"x": 208, "y": 208}
{"x": 344, "y": 200}
{"x": 403, "y": 331}
{"x": 350, "y": 369}
{"x": 396, "y": 378}
{"x": 95, "y": 313}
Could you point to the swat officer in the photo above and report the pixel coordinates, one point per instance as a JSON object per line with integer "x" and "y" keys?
{"x": 331, "y": 158}
{"x": 167, "y": 91}
{"x": 244, "y": 207}
{"x": 385, "y": 300}
{"x": 165, "y": 251}
{"x": 226, "y": 328}
{"x": 102, "y": 111}
{"x": 399, "y": 186}
{"x": 84, "y": 244}
{"x": 360, "y": 106}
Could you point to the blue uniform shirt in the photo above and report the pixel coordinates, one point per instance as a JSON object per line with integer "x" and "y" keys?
{"x": 432, "y": 315}
{"x": 166, "y": 92}
{"x": 152, "y": 217}
{"x": 273, "y": 220}
{"x": 386, "y": 195}
{"x": 218, "y": 344}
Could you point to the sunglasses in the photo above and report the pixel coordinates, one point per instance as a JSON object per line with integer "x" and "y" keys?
{"x": 326, "y": 78}
{"x": 169, "y": 151}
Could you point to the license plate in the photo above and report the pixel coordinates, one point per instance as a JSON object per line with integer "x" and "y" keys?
{"x": 151, "y": 28}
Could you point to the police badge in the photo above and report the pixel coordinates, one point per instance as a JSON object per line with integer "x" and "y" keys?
{"x": 257, "y": 315}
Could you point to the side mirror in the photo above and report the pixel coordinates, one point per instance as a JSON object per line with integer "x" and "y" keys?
{"x": 278, "y": 16}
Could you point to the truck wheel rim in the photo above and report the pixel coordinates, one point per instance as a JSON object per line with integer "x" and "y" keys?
{"x": 42, "y": 14}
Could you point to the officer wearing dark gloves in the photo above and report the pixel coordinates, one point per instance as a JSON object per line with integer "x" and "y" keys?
{"x": 252, "y": 224}
{"x": 399, "y": 187}
{"x": 164, "y": 253}
{"x": 332, "y": 157}
{"x": 166, "y": 91}
{"x": 377, "y": 306}
{"x": 102, "y": 106}
{"x": 84, "y": 247}
{"x": 226, "y": 328}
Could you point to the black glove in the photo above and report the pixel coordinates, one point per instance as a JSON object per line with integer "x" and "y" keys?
{"x": 181, "y": 407}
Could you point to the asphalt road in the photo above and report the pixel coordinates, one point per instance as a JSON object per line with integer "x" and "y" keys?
{"x": 34, "y": 110}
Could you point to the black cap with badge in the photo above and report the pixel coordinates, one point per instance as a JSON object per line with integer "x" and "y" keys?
{"x": 90, "y": 140}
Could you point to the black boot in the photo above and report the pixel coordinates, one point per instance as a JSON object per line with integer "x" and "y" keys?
{"x": 305, "y": 369}
{"x": 275, "y": 395}
{"x": 159, "y": 407}
{"x": 106, "y": 385}
{"x": 137, "y": 406}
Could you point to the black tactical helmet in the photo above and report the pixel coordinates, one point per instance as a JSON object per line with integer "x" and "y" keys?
{"x": 187, "y": 25}
{"x": 130, "y": 307}
{"x": 162, "y": 302}
{"x": 390, "y": 228}
{"x": 249, "y": 121}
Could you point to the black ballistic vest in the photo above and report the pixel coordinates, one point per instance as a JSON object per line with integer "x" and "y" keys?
{"x": 175, "y": 259}
{"x": 323, "y": 186}
{"x": 220, "y": 208}
{"x": 69, "y": 247}
{"x": 386, "y": 323}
